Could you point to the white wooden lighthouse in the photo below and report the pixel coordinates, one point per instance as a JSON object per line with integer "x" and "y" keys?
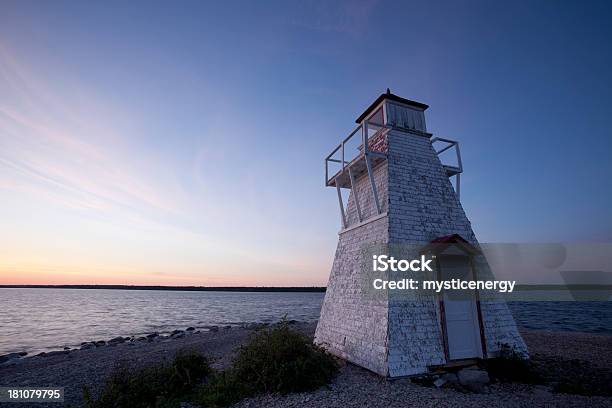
{"x": 401, "y": 196}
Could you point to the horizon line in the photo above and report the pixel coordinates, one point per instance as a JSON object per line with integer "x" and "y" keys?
{"x": 274, "y": 288}
{"x": 178, "y": 288}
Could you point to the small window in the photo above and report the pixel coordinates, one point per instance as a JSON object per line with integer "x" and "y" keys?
{"x": 377, "y": 117}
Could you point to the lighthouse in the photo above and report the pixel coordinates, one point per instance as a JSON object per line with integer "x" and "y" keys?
{"x": 398, "y": 192}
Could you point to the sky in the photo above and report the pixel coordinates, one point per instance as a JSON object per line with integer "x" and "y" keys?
{"x": 182, "y": 143}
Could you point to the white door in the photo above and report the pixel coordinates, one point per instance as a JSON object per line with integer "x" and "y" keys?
{"x": 460, "y": 312}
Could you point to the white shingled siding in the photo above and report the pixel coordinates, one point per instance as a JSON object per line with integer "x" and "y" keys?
{"x": 398, "y": 336}
{"x": 353, "y": 325}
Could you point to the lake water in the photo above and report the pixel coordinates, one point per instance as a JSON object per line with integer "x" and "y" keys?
{"x": 35, "y": 320}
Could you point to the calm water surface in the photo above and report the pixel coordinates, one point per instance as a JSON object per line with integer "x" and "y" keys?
{"x": 36, "y": 320}
{"x": 43, "y": 319}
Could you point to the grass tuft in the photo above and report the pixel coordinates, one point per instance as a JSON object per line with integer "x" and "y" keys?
{"x": 156, "y": 386}
{"x": 276, "y": 360}
{"x": 512, "y": 366}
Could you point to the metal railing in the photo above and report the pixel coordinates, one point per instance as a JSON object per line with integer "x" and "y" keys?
{"x": 451, "y": 170}
{"x": 364, "y": 148}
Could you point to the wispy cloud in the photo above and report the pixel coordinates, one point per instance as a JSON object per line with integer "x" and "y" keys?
{"x": 49, "y": 150}
{"x": 109, "y": 206}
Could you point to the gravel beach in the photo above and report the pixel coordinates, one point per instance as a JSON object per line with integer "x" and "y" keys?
{"x": 353, "y": 387}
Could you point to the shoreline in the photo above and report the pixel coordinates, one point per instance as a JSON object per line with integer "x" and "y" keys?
{"x": 90, "y": 365}
{"x": 189, "y": 330}
{"x": 11, "y": 358}
{"x": 130, "y": 338}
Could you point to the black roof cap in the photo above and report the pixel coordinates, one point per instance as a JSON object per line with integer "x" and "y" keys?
{"x": 392, "y": 97}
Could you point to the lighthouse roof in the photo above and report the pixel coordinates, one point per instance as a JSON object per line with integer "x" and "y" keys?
{"x": 391, "y": 97}
{"x": 439, "y": 244}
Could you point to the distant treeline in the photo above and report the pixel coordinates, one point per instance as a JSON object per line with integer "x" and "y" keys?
{"x": 182, "y": 288}
{"x": 275, "y": 288}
